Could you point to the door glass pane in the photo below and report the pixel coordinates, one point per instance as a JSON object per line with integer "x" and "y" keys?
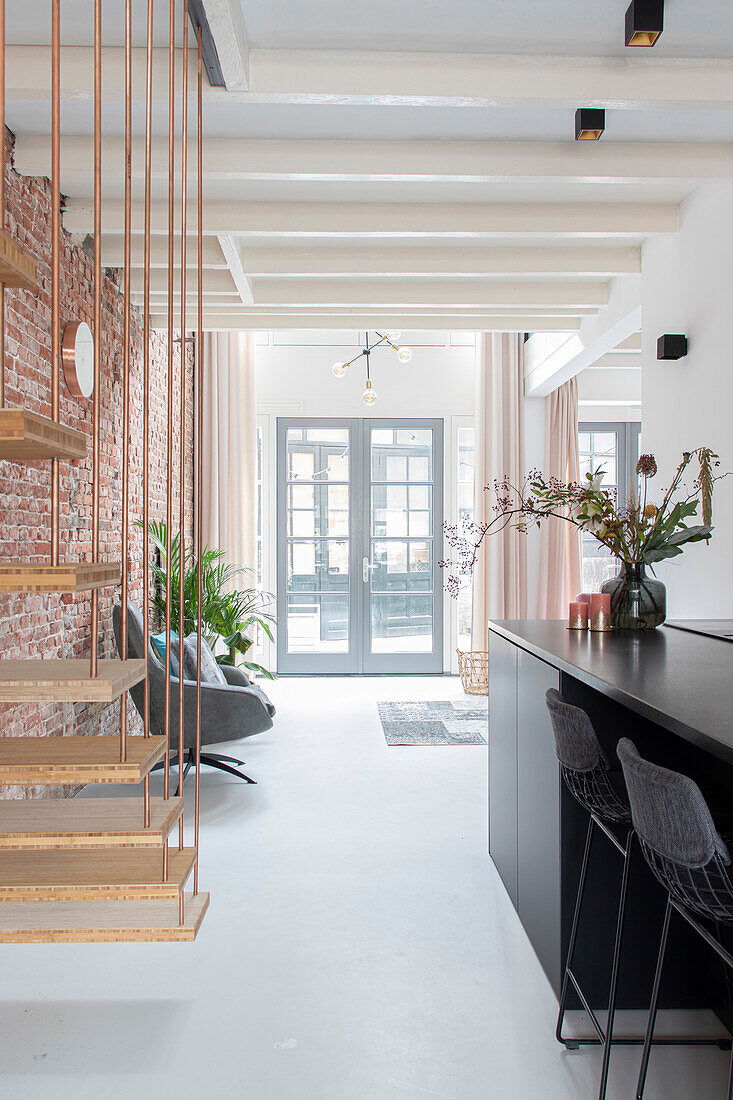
{"x": 402, "y": 623}
{"x": 318, "y": 623}
{"x": 597, "y": 449}
{"x": 402, "y": 566}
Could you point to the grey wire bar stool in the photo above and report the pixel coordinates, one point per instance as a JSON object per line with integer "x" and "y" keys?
{"x": 600, "y": 790}
{"x": 685, "y": 851}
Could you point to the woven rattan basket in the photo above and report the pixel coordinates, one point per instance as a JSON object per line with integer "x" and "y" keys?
{"x": 474, "y": 670}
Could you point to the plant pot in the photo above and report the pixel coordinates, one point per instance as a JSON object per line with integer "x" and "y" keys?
{"x": 638, "y": 602}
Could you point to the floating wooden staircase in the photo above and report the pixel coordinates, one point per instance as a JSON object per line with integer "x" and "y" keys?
{"x": 28, "y": 437}
{"x": 71, "y": 576}
{"x": 78, "y": 823}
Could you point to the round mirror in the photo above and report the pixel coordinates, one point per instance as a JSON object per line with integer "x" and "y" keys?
{"x": 77, "y": 353}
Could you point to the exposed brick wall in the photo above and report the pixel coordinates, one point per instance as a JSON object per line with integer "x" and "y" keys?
{"x": 59, "y": 625}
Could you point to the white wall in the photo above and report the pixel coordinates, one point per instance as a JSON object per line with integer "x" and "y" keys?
{"x": 296, "y": 366}
{"x": 294, "y": 378}
{"x": 687, "y": 287}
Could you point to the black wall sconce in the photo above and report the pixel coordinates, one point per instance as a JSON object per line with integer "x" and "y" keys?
{"x": 644, "y": 22}
{"x": 671, "y": 346}
{"x": 590, "y": 122}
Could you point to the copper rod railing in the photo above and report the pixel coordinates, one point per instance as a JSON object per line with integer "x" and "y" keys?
{"x": 182, "y": 431}
{"x": 199, "y": 438}
{"x": 146, "y": 385}
{"x": 169, "y": 509}
{"x": 55, "y": 258}
{"x": 126, "y": 365}
{"x": 2, "y": 195}
{"x": 97, "y": 318}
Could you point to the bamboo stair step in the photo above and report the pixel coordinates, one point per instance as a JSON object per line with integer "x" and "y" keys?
{"x": 125, "y": 874}
{"x": 75, "y": 760}
{"x": 72, "y": 576}
{"x": 17, "y": 265}
{"x": 103, "y": 921}
{"x": 67, "y": 681}
{"x": 26, "y": 436}
{"x": 83, "y": 823}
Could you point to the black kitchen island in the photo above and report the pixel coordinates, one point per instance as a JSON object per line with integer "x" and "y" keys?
{"x": 671, "y": 692}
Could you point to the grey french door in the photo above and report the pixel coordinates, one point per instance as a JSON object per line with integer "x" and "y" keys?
{"x": 359, "y": 526}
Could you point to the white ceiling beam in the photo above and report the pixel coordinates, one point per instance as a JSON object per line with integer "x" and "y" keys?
{"x": 230, "y": 251}
{"x": 428, "y": 292}
{"x": 494, "y": 81}
{"x": 226, "y": 24}
{"x": 598, "y": 260}
{"x": 400, "y": 79}
{"x": 380, "y": 220}
{"x": 264, "y": 321}
{"x": 615, "y": 362}
{"x": 215, "y": 282}
{"x": 228, "y": 160}
{"x": 573, "y": 357}
{"x": 113, "y": 252}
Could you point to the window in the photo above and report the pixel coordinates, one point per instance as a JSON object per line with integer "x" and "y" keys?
{"x": 465, "y": 488}
{"x": 613, "y": 447}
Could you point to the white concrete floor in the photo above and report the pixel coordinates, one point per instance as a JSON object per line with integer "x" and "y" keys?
{"x": 359, "y": 945}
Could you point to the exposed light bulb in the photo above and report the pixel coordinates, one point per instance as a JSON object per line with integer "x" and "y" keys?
{"x": 339, "y": 370}
{"x": 369, "y": 396}
{"x": 404, "y": 355}
{"x": 393, "y": 337}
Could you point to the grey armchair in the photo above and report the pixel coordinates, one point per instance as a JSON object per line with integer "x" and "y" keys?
{"x": 229, "y": 712}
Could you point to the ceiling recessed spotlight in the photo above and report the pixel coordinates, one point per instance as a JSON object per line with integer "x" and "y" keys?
{"x": 644, "y": 22}
{"x": 590, "y": 122}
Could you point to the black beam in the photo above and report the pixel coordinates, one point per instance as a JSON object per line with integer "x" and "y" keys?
{"x": 208, "y": 49}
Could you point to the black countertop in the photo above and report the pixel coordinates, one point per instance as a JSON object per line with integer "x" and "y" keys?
{"x": 681, "y": 681}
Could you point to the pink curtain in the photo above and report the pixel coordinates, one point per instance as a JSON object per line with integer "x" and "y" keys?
{"x": 500, "y": 576}
{"x": 560, "y": 570}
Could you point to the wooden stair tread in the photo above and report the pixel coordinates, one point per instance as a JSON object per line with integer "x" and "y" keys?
{"x": 17, "y": 265}
{"x": 102, "y": 921}
{"x": 85, "y": 822}
{"x": 72, "y": 576}
{"x": 27, "y": 436}
{"x": 77, "y": 759}
{"x": 67, "y": 681}
{"x": 117, "y": 874}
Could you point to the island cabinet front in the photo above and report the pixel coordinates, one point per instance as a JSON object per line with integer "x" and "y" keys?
{"x": 524, "y": 795}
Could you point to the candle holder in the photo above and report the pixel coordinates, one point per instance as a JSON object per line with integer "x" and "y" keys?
{"x": 578, "y": 616}
{"x": 600, "y": 612}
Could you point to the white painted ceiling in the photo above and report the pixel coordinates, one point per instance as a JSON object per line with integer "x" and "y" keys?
{"x": 428, "y": 139}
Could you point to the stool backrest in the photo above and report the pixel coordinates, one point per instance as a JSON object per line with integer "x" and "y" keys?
{"x": 669, "y": 811}
{"x": 576, "y": 743}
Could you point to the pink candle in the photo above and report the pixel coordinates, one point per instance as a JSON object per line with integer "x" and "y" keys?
{"x": 583, "y": 597}
{"x": 578, "y": 617}
{"x": 600, "y": 611}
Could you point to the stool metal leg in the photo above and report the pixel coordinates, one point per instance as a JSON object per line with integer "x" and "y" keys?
{"x": 655, "y": 1002}
{"x": 614, "y": 967}
{"x": 572, "y": 1044}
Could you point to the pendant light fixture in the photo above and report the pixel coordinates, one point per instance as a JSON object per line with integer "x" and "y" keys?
{"x": 590, "y": 122}
{"x": 404, "y": 354}
{"x": 644, "y": 22}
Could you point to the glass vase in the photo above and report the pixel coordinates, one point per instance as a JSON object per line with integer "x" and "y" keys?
{"x": 638, "y": 602}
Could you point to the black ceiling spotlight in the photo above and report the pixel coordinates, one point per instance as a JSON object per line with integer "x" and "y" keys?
{"x": 590, "y": 122}
{"x": 644, "y": 22}
{"x": 671, "y": 346}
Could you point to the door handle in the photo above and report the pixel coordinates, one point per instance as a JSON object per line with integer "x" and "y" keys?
{"x": 366, "y": 569}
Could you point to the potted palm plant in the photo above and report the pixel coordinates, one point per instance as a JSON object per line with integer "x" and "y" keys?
{"x": 230, "y": 616}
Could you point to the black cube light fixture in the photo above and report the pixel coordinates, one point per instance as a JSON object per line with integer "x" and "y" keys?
{"x": 644, "y": 22}
{"x": 590, "y": 122}
{"x": 671, "y": 346}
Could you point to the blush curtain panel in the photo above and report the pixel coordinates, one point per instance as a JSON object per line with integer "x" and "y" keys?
{"x": 560, "y": 562}
{"x": 500, "y": 576}
{"x": 229, "y": 481}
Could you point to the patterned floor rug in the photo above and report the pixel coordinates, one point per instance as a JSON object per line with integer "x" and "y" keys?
{"x": 453, "y": 722}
